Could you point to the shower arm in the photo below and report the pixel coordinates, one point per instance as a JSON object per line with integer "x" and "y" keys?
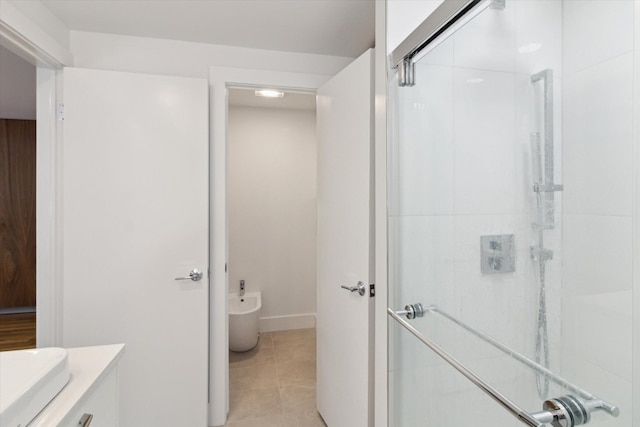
{"x": 553, "y": 408}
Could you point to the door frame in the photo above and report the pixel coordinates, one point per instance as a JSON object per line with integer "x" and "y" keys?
{"x": 26, "y": 39}
{"x": 381, "y": 126}
{"x": 220, "y": 80}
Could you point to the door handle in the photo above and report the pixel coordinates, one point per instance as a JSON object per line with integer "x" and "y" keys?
{"x": 360, "y": 288}
{"x": 194, "y": 275}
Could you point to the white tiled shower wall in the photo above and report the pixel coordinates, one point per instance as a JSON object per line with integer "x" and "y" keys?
{"x": 461, "y": 168}
{"x": 598, "y": 200}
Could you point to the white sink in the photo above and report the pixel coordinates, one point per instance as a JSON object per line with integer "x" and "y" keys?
{"x": 29, "y": 379}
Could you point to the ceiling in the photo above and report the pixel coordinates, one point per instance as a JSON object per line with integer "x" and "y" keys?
{"x": 324, "y": 27}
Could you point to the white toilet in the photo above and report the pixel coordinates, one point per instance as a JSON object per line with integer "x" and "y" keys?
{"x": 244, "y": 314}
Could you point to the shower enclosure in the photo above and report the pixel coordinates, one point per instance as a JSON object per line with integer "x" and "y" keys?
{"x": 512, "y": 170}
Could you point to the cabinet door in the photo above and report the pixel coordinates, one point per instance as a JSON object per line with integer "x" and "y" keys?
{"x": 101, "y": 403}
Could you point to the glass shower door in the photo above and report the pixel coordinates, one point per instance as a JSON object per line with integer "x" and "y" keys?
{"x": 510, "y": 220}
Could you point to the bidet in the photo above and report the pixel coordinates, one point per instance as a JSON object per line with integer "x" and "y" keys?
{"x": 244, "y": 314}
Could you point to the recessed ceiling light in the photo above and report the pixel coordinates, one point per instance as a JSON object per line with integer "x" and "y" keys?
{"x": 269, "y": 93}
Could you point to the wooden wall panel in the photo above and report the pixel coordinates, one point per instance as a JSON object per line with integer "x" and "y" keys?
{"x": 17, "y": 213}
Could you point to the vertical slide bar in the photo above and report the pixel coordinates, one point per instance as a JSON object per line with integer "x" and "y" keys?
{"x": 547, "y": 77}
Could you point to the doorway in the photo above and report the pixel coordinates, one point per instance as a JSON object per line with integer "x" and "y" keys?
{"x": 271, "y": 190}
{"x": 17, "y": 202}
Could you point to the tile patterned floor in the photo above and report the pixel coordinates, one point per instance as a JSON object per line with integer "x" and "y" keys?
{"x": 274, "y": 385}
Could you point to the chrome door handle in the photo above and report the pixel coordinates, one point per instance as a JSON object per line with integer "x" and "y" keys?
{"x": 360, "y": 288}
{"x": 194, "y": 275}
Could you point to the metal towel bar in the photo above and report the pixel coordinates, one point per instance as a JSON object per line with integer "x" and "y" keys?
{"x": 611, "y": 409}
{"x": 537, "y": 419}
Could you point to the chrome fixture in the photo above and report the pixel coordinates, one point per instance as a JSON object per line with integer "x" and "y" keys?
{"x": 518, "y": 412}
{"x": 360, "y": 288}
{"x": 441, "y": 20}
{"x": 497, "y": 254}
{"x": 412, "y": 311}
{"x": 544, "y": 186}
{"x": 567, "y": 411}
{"x": 194, "y": 275}
{"x": 241, "y": 293}
{"x": 406, "y": 73}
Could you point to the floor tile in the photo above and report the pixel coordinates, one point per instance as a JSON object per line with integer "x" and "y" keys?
{"x": 301, "y": 421}
{"x": 304, "y": 352}
{"x": 296, "y": 336}
{"x": 261, "y": 353}
{"x": 298, "y": 401}
{"x": 253, "y": 377}
{"x": 297, "y": 373}
{"x": 274, "y": 384}
{"x": 269, "y": 421}
{"x": 248, "y": 404}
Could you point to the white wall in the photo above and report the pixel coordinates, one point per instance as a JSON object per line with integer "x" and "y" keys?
{"x": 189, "y": 59}
{"x": 17, "y": 87}
{"x": 272, "y": 212}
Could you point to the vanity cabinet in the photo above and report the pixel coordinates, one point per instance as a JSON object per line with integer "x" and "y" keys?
{"x": 90, "y": 398}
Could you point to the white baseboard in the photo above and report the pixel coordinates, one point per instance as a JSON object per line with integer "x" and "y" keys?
{"x": 285, "y": 323}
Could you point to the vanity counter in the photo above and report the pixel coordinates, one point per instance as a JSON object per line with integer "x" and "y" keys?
{"x": 90, "y": 398}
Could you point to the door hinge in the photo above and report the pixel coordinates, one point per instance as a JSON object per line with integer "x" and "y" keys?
{"x": 61, "y": 112}
{"x": 372, "y": 290}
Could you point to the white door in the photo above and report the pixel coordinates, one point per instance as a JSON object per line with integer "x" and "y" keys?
{"x": 344, "y": 318}
{"x": 135, "y": 217}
